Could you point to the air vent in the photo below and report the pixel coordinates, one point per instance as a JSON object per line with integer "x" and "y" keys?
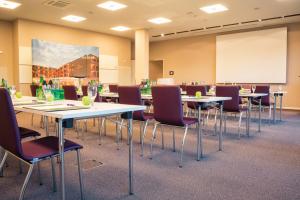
{"x": 272, "y": 18}
{"x": 57, "y": 3}
{"x": 179, "y": 32}
{"x": 197, "y": 29}
{"x": 248, "y": 22}
{"x": 227, "y": 25}
{"x": 156, "y": 35}
{"x": 169, "y": 34}
{"x": 212, "y": 27}
{"x": 294, "y": 15}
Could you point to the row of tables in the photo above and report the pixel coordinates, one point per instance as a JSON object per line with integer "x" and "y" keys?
{"x": 107, "y": 109}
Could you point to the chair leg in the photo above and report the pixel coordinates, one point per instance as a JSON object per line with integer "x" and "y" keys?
{"x": 94, "y": 122}
{"x": 39, "y": 173}
{"x": 100, "y": 128}
{"x": 143, "y": 137}
{"x": 26, "y": 181}
{"x": 182, "y": 144}
{"x": 215, "y": 126}
{"x": 152, "y": 140}
{"x": 270, "y": 114}
{"x": 118, "y": 134}
{"x": 53, "y": 175}
{"x": 2, "y": 163}
{"x": 240, "y": 122}
{"x": 225, "y": 122}
{"x": 80, "y": 175}
{"x": 162, "y": 137}
{"x": 141, "y": 132}
{"x": 174, "y": 148}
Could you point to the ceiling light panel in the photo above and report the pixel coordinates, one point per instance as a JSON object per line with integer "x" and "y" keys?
{"x": 159, "y": 20}
{"x": 9, "y": 4}
{"x": 111, "y": 5}
{"x": 73, "y": 18}
{"x": 120, "y": 28}
{"x": 214, "y": 8}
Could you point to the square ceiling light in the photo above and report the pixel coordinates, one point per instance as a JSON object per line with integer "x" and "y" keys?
{"x": 73, "y": 18}
{"x": 9, "y": 4}
{"x": 214, "y": 8}
{"x": 159, "y": 20}
{"x": 111, "y": 5}
{"x": 120, "y": 28}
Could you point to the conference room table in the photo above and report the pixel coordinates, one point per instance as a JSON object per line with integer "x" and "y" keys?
{"x": 200, "y": 101}
{"x": 66, "y": 110}
{"x": 276, "y": 94}
{"x": 250, "y": 97}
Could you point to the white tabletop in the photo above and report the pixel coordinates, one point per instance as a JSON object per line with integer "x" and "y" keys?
{"x": 253, "y": 95}
{"x": 185, "y": 98}
{"x": 99, "y": 109}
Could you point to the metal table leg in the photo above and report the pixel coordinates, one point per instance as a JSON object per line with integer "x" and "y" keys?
{"x": 130, "y": 157}
{"x": 46, "y": 126}
{"x": 280, "y": 106}
{"x": 199, "y": 136}
{"x": 259, "y": 115}
{"x": 61, "y": 156}
{"x": 249, "y": 117}
{"x": 220, "y": 133}
{"x": 274, "y": 109}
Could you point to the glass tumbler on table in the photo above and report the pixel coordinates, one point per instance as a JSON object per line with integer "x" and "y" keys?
{"x": 92, "y": 93}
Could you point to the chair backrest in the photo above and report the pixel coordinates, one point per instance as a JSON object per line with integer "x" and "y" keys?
{"x": 131, "y": 95}
{"x": 10, "y": 138}
{"x": 264, "y": 89}
{"x": 191, "y": 91}
{"x": 113, "y": 88}
{"x": 84, "y": 89}
{"x": 167, "y": 105}
{"x": 33, "y": 89}
{"x": 70, "y": 92}
{"x": 229, "y": 91}
{"x": 183, "y": 87}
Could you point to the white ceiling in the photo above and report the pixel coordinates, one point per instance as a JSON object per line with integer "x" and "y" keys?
{"x": 185, "y": 15}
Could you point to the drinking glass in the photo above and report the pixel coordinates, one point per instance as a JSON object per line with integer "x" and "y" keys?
{"x": 13, "y": 91}
{"x": 253, "y": 87}
{"x": 92, "y": 92}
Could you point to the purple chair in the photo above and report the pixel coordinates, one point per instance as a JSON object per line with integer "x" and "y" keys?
{"x": 265, "y": 101}
{"x": 84, "y": 89}
{"x": 33, "y": 89}
{"x": 191, "y": 91}
{"x": 113, "y": 88}
{"x": 70, "y": 92}
{"x": 233, "y": 105}
{"x": 132, "y": 95}
{"x": 168, "y": 111}
{"x": 30, "y": 152}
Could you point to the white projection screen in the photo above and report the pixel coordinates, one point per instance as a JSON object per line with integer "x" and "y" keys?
{"x": 252, "y": 57}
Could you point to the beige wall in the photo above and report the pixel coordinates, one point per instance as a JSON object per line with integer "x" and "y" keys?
{"x": 108, "y": 44}
{"x": 155, "y": 70}
{"x": 194, "y": 59}
{"x": 6, "y": 46}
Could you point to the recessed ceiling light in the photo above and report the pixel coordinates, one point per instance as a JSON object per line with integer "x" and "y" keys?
{"x": 111, "y": 5}
{"x": 9, "y": 4}
{"x": 120, "y": 28}
{"x": 73, "y": 18}
{"x": 214, "y": 8}
{"x": 159, "y": 20}
{"x": 1, "y": 52}
{"x": 162, "y": 35}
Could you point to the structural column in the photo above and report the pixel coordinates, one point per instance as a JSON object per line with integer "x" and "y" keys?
{"x": 141, "y": 55}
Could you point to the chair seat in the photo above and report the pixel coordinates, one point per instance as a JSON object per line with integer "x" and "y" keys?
{"x": 25, "y": 132}
{"x": 148, "y": 116}
{"x": 45, "y": 147}
{"x": 189, "y": 120}
{"x": 262, "y": 103}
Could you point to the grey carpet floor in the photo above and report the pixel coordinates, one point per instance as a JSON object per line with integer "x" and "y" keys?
{"x": 264, "y": 166}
